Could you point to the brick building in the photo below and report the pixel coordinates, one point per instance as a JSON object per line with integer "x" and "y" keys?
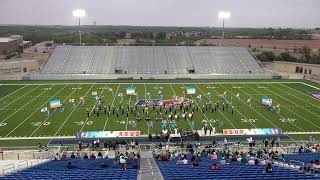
{"x": 12, "y": 44}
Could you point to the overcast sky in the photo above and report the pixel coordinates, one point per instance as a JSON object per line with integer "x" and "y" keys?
{"x": 245, "y": 13}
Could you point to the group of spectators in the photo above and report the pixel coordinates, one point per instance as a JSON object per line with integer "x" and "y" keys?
{"x": 92, "y": 156}
{"x": 121, "y": 159}
{"x": 251, "y": 157}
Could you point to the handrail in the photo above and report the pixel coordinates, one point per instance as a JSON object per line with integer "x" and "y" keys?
{"x": 6, "y": 167}
{"x": 23, "y": 163}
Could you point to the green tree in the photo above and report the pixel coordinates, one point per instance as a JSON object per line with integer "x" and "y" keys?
{"x": 266, "y": 56}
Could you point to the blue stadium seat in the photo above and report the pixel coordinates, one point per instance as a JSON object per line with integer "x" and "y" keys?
{"x": 86, "y": 169}
{"x": 171, "y": 170}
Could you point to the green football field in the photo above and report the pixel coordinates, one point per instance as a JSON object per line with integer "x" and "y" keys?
{"x": 21, "y": 103}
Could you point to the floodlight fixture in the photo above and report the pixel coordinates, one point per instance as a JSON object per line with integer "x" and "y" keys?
{"x": 223, "y": 15}
{"x": 79, "y": 13}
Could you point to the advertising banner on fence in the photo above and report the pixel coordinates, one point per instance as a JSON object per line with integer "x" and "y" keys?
{"x": 262, "y": 131}
{"x": 107, "y": 134}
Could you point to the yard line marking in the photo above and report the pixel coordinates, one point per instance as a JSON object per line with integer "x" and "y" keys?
{"x": 310, "y": 96}
{"x": 70, "y": 114}
{"x": 234, "y": 108}
{"x": 145, "y": 91}
{"x": 19, "y": 97}
{"x": 257, "y": 106}
{"x": 94, "y": 106}
{"x": 264, "y": 116}
{"x": 13, "y": 92}
{"x": 310, "y": 85}
{"x": 36, "y": 109}
{"x": 218, "y": 109}
{"x": 105, "y": 124}
{"x": 283, "y": 106}
{"x": 50, "y": 115}
{"x": 295, "y": 104}
{"x": 128, "y": 112}
{"x": 23, "y": 106}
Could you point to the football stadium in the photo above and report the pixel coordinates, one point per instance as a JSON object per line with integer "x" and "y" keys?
{"x": 158, "y": 102}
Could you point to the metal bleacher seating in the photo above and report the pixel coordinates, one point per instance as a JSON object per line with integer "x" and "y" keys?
{"x": 232, "y": 170}
{"x": 150, "y": 60}
{"x": 86, "y": 169}
{"x": 303, "y": 157}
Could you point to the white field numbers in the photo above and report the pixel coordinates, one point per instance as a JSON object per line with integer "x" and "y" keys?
{"x": 248, "y": 120}
{"x": 210, "y": 121}
{"x": 125, "y": 122}
{"x": 81, "y": 123}
{"x": 39, "y": 123}
{"x": 287, "y": 120}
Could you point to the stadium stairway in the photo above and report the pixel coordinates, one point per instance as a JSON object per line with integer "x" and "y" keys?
{"x": 171, "y": 170}
{"x": 148, "y": 167}
{"x": 86, "y": 169}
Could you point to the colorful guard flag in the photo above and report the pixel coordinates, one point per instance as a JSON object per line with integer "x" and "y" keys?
{"x": 94, "y": 93}
{"x": 44, "y": 109}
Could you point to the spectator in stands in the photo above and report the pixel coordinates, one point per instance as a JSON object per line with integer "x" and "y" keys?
{"x": 92, "y": 157}
{"x": 71, "y": 165}
{"x": 64, "y": 156}
{"x": 195, "y": 160}
{"x": 182, "y": 160}
{"x": 269, "y": 167}
{"x": 214, "y": 156}
{"x": 100, "y": 154}
{"x": 57, "y": 157}
{"x": 263, "y": 162}
{"x": 104, "y": 165}
{"x": 122, "y": 162}
{"x": 225, "y": 141}
{"x": 215, "y": 167}
{"x": 316, "y": 164}
{"x": 244, "y": 158}
{"x": 85, "y": 156}
{"x": 80, "y": 145}
{"x": 223, "y": 161}
{"x": 185, "y": 161}
{"x": 72, "y": 156}
{"x": 251, "y": 162}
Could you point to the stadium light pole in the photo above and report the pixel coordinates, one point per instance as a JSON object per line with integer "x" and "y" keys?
{"x": 224, "y": 15}
{"x": 79, "y": 13}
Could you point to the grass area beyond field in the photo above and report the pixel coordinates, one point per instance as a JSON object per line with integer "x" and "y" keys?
{"x": 21, "y": 103}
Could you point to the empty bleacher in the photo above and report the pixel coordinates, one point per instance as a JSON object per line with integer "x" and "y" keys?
{"x": 150, "y": 60}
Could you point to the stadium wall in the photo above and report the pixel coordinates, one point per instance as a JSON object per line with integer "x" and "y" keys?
{"x": 38, "y": 76}
{"x": 17, "y": 69}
